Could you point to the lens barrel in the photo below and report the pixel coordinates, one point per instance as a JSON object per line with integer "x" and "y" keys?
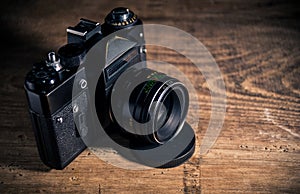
{"x": 156, "y": 108}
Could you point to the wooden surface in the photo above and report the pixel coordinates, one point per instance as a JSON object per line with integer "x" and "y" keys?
{"x": 257, "y": 47}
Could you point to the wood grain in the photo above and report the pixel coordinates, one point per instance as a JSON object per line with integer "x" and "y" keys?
{"x": 257, "y": 47}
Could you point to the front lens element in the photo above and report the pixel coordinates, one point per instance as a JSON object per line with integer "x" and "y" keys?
{"x": 168, "y": 116}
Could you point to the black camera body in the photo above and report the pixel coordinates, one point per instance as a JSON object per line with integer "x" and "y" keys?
{"x": 61, "y": 118}
{"x": 49, "y": 87}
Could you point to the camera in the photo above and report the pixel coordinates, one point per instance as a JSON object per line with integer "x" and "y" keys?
{"x": 58, "y": 94}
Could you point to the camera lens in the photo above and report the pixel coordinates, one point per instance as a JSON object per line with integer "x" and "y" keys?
{"x": 158, "y": 104}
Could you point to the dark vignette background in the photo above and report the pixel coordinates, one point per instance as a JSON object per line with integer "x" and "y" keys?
{"x": 249, "y": 41}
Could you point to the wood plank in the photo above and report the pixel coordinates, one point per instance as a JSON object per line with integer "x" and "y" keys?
{"x": 256, "y": 45}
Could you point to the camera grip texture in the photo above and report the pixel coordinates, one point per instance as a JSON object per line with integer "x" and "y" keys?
{"x": 57, "y": 138}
